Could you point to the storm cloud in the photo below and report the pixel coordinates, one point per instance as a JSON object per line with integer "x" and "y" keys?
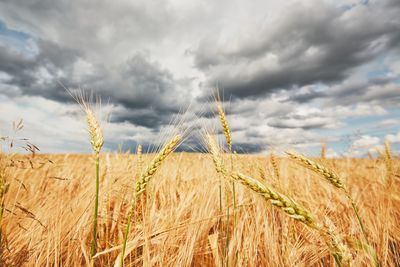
{"x": 310, "y": 42}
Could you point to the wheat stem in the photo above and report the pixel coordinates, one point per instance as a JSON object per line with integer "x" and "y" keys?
{"x": 96, "y": 206}
{"x": 97, "y": 141}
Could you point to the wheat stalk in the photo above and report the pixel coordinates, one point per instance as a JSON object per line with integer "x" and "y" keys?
{"x": 336, "y": 181}
{"x": 96, "y": 140}
{"x": 286, "y": 204}
{"x": 228, "y": 138}
{"x": 144, "y": 179}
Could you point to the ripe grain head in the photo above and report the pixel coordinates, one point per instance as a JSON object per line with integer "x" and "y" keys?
{"x": 329, "y": 175}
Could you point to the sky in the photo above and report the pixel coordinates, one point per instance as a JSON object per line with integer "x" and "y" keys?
{"x": 292, "y": 74}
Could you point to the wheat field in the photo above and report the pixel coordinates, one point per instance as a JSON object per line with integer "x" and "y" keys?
{"x": 179, "y": 220}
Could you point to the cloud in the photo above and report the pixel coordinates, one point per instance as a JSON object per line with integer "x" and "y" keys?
{"x": 309, "y": 43}
{"x": 378, "y": 91}
{"x": 366, "y": 141}
{"x": 300, "y": 122}
{"x": 37, "y": 75}
{"x": 140, "y": 85}
{"x": 363, "y": 145}
{"x": 393, "y": 138}
{"x": 107, "y": 48}
{"x": 384, "y": 91}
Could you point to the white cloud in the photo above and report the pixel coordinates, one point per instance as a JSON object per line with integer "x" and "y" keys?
{"x": 363, "y": 145}
{"x": 331, "y": 153}
{"x": 393, "y": 138}
{"x": 366, "y": 141}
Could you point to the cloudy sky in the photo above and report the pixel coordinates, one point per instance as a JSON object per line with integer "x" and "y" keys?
{"x": 293, "y": 74}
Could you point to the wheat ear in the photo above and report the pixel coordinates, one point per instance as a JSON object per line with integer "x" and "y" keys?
{"x": 95, "y": 132}
{"x": 388, "y": 162}
{"x": 139, "y": 159}
{"x": 275, "y": 166}
{"x": 155, "y": 164}
{"x": 225, "y": 125}
{"x": 339, "y": 250}
{"x": 329, "y": 175}
{"x": 323, "y": 151}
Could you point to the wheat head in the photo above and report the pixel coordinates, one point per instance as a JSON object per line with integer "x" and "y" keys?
{"x": 95, "y": 132}
{"x": 388, "y": 162}
{"x": 274, "y": 163}
{"x": 331, "y": 176}
{"x": 323, "y": 151}
{"x": 146, "y": 175}
{"x": 225, "y": 125}
{"x": 139, "y": 159}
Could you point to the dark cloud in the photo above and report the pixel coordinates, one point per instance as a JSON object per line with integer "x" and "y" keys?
{"x": 148, "y": 93}
{"x": 304, "y": 97}
{"x": 244, "y": 148}
{"x": 37, "y": 75}
{"x": 305, "y": 122}
{"x": 149, "y": 118}
{"x": 379, "y": 90}
{"x": 99, "y": 46}
{"x": 364, "y": 92}
{"x": 310, "y": 44}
